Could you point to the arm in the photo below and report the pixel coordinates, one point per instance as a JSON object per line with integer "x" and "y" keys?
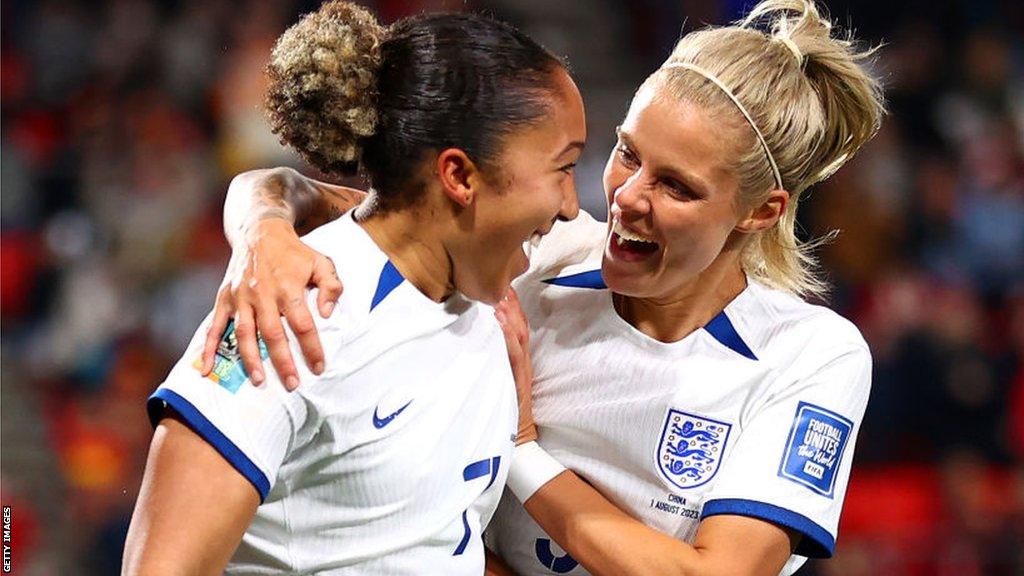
{"x": 493, "y": 566}
{"x": 605, "y": 540}
{"x": 286, "y": 194}
{"x": 271, "y": 268}
{"x": 192, "y": 509}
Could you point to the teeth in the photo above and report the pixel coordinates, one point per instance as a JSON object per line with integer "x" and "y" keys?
{"x": 535, "y": 239}
{"x": 627, "y": 235}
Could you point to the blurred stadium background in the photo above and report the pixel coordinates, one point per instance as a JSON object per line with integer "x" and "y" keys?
{"x": 123, "y": 122}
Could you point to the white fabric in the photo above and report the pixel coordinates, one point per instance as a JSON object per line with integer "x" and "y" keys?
{"x": 603, "y": 393}
{"x": 359, "y": 484}
{"x": 532, "y": 468}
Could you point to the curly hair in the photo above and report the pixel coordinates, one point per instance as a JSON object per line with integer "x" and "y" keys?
{"x": 323, "y": 85}
{"x": 348, "y": 93}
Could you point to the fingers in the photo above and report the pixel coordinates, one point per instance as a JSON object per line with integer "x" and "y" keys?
{"x": 248, "y": 349}
{"x": 222, "y": 312}
{"x": 513, "y": 299}
{"x": 518, "y": 353}
{"x": 515, "y": 348}
{"x": 522, "y": 370}
{"x": 301, "y": 322}
{"x": 325, "y": 277}
{"x": 514, "y": 317}
{"x": 274, "y": 337}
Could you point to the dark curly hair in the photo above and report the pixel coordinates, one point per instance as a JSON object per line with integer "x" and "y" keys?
{"x": 348, "y": 93}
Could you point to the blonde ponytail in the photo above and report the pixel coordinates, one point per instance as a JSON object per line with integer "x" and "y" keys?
{"x": 810, "y": 97}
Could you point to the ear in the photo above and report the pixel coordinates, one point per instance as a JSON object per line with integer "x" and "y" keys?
{"x": 459, "y": 176}
{"x": 766, "y": 214}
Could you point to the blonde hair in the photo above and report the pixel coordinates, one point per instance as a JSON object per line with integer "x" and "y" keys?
{"x": 805, "y": 92}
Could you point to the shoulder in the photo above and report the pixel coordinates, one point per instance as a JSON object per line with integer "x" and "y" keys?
{"x": 342, "y": 240}
{"x": 570, "y": 247}
{"x": 360, "y": 264}
{"x": 800, "y": 339}
{"x": 779, "y": 320}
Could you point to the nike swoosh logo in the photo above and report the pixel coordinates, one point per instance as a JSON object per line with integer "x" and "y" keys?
{"x": 379, "y": 422}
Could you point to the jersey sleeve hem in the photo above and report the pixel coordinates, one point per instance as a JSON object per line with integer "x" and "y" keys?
{"x": 208, "y": 431}
{"x": 817, "y": 542}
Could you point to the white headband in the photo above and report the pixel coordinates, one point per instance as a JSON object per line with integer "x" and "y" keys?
{"x": 736, "y": 101}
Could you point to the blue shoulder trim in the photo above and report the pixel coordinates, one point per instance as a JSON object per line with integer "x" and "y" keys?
{"x": 390, "y": 278}
{"x": 722, "y": 329}
{"x": 589, "y": 279}
{"x": 209, "y": 432}
{"x": 816, "y": 542}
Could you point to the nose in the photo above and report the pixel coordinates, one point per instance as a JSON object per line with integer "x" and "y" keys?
{"x": 631, "y": 196}
{"x": 570, "y": 207}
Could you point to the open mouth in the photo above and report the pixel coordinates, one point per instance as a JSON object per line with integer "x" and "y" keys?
{"x": 629, "y": 245}
{"x": 534, "y": 239}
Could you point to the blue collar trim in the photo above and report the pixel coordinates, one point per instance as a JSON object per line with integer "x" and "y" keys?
{"x": 721, "y": 329}
{"x": 390, "y": 278}
{"x": 589, "y": 279}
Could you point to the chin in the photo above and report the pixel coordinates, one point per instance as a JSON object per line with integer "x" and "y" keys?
{"x": 626, "y": 283}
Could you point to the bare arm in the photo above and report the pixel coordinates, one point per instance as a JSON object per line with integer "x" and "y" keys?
{"x": 271, "y": 268}
{"x": 606, "y": 540}
{"x": 493, "y": 566}
{"x": 284, "y": 193}
{"x": 192, "y": 510}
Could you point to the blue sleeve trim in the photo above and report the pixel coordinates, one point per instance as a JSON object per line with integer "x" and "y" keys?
{"x": 589, "y": 279}
{"x": 209, "y": 432}
{"x": 816, "y": 542}
{"x": 390, "y": 278}
{"x": 722, "y": 329}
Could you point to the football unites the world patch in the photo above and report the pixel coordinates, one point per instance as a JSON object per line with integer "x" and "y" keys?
{"x": 815, "y": 448}
{"x": 228, "y": 370}
{"x": 691, "y": 448}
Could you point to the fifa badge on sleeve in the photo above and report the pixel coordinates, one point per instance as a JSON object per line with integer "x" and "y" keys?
{"x": 228, "y": 370}
{"x": 815, "y": 447}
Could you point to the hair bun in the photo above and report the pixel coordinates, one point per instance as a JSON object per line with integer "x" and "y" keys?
{"x": 323, "y": 85}
{"x": 791, "y": 23}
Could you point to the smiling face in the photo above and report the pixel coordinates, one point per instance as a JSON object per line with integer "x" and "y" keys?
{"x": 532, "y": 187}
{"x": 672, "y": 199}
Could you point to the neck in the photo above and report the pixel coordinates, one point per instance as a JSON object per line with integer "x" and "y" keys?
{"x": 671, "y": 318}
{"x": 413, "y": 243}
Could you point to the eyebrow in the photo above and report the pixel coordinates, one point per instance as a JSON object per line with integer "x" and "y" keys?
{"x": 574, "y": 145}
{"x": 692, "y": 180}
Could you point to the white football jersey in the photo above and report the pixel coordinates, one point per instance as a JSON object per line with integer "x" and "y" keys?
{"x": 390, "y": 462}
{"x": 756, "y": 414}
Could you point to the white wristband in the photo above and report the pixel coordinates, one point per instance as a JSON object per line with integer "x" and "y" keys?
{"x": 532, "y": 468}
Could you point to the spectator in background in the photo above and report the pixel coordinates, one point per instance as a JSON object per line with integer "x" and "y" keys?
{"x": 121, "y": 126}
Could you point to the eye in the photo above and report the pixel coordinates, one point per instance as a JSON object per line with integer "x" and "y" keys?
{"x": 626, "y": 156}
{"x": 568, "y": 168}
{"x": 679, "y": 190}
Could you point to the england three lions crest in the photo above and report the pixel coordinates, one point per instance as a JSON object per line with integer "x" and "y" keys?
{"x": 691, "y": 448}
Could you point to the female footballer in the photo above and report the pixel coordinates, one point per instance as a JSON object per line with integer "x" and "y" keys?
{"x": 393, "y": 457}
{"x": 695, "y": 414}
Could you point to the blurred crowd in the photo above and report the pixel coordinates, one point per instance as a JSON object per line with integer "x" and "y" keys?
{"x": 123, "y": 123}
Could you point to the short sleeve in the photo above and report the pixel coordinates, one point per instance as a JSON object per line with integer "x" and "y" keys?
{"x": 251, "y": 427}
{"x": 792, "y": 462}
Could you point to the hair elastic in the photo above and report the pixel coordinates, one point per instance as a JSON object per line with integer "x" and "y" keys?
{"x": 792, "y": 48}
{"x": 736, "y": 101}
